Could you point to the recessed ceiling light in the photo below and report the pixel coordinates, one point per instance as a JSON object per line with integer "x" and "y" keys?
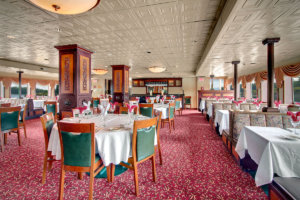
{"x": 105, "y": 66}
{"x": 109, "y": 54}
{"x": 10, "y": 36}
{"x": 58, "y": 29}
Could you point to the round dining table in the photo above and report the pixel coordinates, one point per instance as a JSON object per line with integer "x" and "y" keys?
{"x": 113, "y": 135}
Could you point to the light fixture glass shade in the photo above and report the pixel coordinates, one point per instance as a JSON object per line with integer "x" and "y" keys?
{"x": 66, "y": 7}
{"x": 100, "y": 71}
{"x": 156, "y": 69}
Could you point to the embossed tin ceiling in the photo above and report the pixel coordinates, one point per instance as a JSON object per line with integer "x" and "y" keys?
{"x": 176, "y": 32}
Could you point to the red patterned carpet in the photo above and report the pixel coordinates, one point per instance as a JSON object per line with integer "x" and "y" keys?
{"x": 196, "y": 166}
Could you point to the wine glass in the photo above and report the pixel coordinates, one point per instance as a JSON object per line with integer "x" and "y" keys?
{"x": 257, "y": 106}
{"x": 295, "y": 123}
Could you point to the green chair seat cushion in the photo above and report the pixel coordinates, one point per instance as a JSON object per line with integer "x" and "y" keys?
{"x": 77, "y": 149}
{"x": 145, "y": 142}
{"x": 146, "y": 111}
{"x": 9, "y": 120}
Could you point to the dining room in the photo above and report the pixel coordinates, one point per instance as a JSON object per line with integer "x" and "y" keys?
{"x": 149, "y": 99}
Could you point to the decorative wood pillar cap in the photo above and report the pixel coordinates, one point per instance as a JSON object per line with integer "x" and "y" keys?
{"x": 235, "y": 62}
{"x": 72, "y": 46}
{"x": 270, "y": 40}
{"x": 20, "y": 72}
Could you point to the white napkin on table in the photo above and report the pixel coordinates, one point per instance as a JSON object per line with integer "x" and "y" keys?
{"x": 88, "y": 105}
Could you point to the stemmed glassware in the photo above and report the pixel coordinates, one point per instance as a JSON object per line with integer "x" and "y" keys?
{"x": 294, "y": 119}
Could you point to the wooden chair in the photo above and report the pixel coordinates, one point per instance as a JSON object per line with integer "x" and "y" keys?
{"x": 123, "y": 110}
{"x": 95, "y": 103}
{"x": 78, "y": 152}
{"x": 47, "y": 123}
{"x": 5, "y": 105}
{"x": 142, "y": 148}
{"x": 75, "y": 112}
{"x": 66, "y": 114}
{"x": 158, "y": 115}
{"x": 22, "y": 123}
{"x": 177, "y": 106}
{"x": 9, "y": 122}
{"x": 51, "y": 107}
{"x": 146, "y": 109}
{"x": 170, "y": 119}
{"x": 187, "y": 101}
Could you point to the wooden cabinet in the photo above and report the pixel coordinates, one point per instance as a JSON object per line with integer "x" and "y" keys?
{"x": 170, "y": 82}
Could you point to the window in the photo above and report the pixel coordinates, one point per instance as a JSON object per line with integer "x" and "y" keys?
{"x": 41, "y": 90}
{"x": 56, "y": 90}
{"x": 253, "y": 90}
{"x": 296, "y": 89}
{"x": 231, "y": 87}
{"x": 242, "y": 91}
{"x": 14, "y": 90}
{"x": 276, "y": 92}
{"x": 218, "y": 84}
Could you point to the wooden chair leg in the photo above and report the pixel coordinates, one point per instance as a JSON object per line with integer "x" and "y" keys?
{"x": 112, "y": 177}
{"x": 2, "y": 141}
{"x": 44, "y": 169}
{"x": 159, "y": 152}
{"x": 24, "y": 127}
{"x": 91, "y": 184}
{"x": 80, "y": 175}
{"x": 108, "y": 173}
{"x": 5, "y": 138}
{"x": 136, "y": 180}
{"x": 153, "y": 168}
{"x": 61, "y": 187}
{"x": 19, "y": 137}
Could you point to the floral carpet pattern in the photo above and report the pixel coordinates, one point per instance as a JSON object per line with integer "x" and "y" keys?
{"x": 196, "y": 165}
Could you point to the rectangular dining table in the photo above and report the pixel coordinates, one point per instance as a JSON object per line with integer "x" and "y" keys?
{"x": 274, "y": 150}
{"x": 222, "y": 120}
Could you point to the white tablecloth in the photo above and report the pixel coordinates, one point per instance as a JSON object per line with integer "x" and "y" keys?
{"x": 104, "y": 102}
{"x": 202, "y": 105}
{"x": 270, "y": 151}
{"x": 163, "y": 108}
{"x": 113, "y": 146}
{"x": 209, "y": 110}
{"x": 38, "y": 103}
{"x": 222, "y": 119}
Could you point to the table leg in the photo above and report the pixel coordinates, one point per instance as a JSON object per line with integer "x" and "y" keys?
{"x": 112, "y": 172}
{"x": 108, "y": 173}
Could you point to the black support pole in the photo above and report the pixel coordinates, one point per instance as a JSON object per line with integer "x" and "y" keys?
{"x": 20, "y": 83}
{"x": 270, "y": 42}
{"x": 235, "y": 78}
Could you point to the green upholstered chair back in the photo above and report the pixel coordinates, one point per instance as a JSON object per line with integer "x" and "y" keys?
{"x": 187, "y": 100}
{"x": 145, "y": 142}
{"x": 49, "y": 126}
{"x": 172, "y": 111}
{"x": 51, "y": 108}
{"x": 9, "y": 120}
{"x": 146, "y": 111}
{"x": 77, "y": 149}
{"x": 177, "y": 104}
{"x": 96, "y": 103}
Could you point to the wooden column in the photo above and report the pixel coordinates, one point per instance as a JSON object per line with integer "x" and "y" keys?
{"x": 74, "y": 76}
{"x": 235, "y": 78}
{"x": 20, "y": 83}
{"x": 270, "y": 42}
{"x": 120, "y": 83}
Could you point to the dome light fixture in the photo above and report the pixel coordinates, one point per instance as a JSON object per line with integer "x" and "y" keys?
{"x": 156, "y": 69}
{"x": 66, "y": 7}
{"x": 100, "y": 71}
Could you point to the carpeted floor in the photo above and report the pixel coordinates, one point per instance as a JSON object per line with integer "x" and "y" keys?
{"x": 196, "y": 166}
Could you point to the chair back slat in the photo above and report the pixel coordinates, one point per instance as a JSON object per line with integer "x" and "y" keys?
{"x": 9, "y": 118}
{"x": 143, "y": 138}
{"x": 146, "y": 110}
{"x": 78, "y": 143}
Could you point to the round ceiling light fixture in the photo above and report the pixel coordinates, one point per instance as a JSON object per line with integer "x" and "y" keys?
{"x": 66, "y": 7}
{"x": 156, "y": 69}
{"x": 100, "y": 71}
